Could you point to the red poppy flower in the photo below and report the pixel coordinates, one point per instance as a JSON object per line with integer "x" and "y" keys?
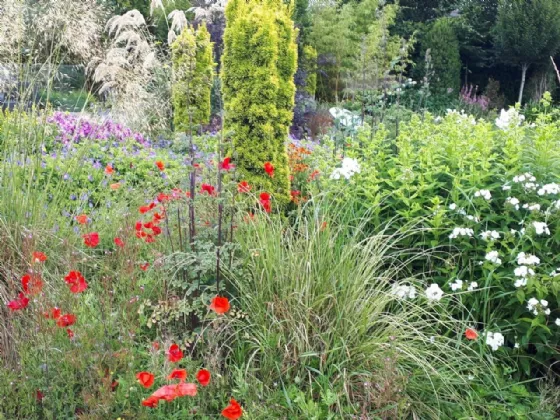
{"x": 70, "y": 333}
{"x": 226, "y": 164}
{"x": 76, "y": 281}
{"x": 156, "y": 230}
{"x": 82, "y": 219}
{"x": 119, "y": 242}
{"x": 115, "y": 186}
{"x": 220, "y": 305}
{"x": 109, "y": 169}
{"x": 162, "y": 198}
{"x": 243, "y": 187}
{"x": 295, "y": 194}
{"x": 66, "y": 320}
{"x": 155, "y": 346}
{"x": 91, "y": 240}
{"x": 157, "y": 218}
{"x": 39, "y": 395}
{"x": 180, "y": 374}
{"x": 150, "y": 239}
{"x": 39, "y": 257}
{"x": 203, "y": 377}
{"x": 146, "y": 379}
{"x": 174, "y": 354}
{"x": 185, "y": 389}
{"x": 160, "y": 165}
{"x": 144, "y": 209}
{"x": 471, "y": 334}
{"x": 114, "y": 385}
{"x": 207, "y": 188}
{"x": 20, "y": 303}
{"x": 233, "y": 411}
{"x": 269, "y": 169}
{"x": 32, "y": 284}
{"x": 144, "y": 266}
{"x": 264, "y": 200}
{"x": 151, "y": 402}
{"x": 54, "y": 314}
{"x": 166, "y": 392}
{"x": 314, "y": 175}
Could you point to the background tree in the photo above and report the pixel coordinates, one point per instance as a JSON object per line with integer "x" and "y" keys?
{"x": 527, "y": 31}
{"x": 258, "y": 66}
{"x": 444, "y": 50}
{"x": 193, "y": 70}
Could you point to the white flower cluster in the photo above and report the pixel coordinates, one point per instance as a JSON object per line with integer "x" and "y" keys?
{"x": 527, "y": 259}
{"x": 494, "y": 340}
{"x": 493, "y": 257}
{"x": 532, "y": 207}
{"x": 534, "y": 305}
{"x": 463, "y": 116}
{"x": 490, "y": 235}
{"x": 458, "y": 231}
{"x": 403, "y": 291}
{"x": 472, "y": 286}
{"x": 541, "y": 228}
{"x": 555, "y": 273}
{"x": 523, "y": 271}
{"x": 457, "y": 285}
{"x": 549, "y": 189}
{"x": 528, "y": 181}
{"x": 509, "y": 118}
{"x": 349, "y": 167}
{"x": 434, "y": 293}
{"x": 512, "y": 201}
{"x": 484, "y": 194}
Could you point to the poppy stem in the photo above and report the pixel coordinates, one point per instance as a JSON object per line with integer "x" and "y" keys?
{"x": 220, "y": 209}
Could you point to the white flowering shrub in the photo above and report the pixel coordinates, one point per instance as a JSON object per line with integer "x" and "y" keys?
{"x": 484, "y": 206}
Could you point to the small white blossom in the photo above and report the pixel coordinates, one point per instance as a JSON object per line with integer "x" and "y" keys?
{"x": 349, "y": 168}
{"x": 494, "y": 340}
{"x": 527, "y": 176}
{"x": 557, "y": 322}
{"x": 521, "y": 282}
{"x": 433, "y": 292}
{"x": 541, "y": 228}
{"x": 509, "y": 118}
{"x": 547, "y": 311}
{"x": 473, "y": 218}
{"x": 549, "y": 189}
{"x": 403, "y": 291}
{"x": 506, "y": 187}
{"x": 452, "y": 206}
{"x": 523, "y": 271}
{"x": 533, "y": 305}
{"x": 530, "y": 186}
{"x": 493, "y": 257}
{"x": 484, "y": 194}
{"x": 458, "y": 231}
{"x": 490, "y": 235}
{"x": 512, "y": 201}
{"x": 472, "y": 286}
{"x": 527, "y": 259}
{"x": 457, "y": 285}
{"x": 532, "y": 206}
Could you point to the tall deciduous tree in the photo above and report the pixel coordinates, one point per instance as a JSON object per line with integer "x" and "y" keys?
{"x": 527, "y": 31}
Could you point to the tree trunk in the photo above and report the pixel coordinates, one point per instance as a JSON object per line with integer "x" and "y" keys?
{"x": 524, "y": 69}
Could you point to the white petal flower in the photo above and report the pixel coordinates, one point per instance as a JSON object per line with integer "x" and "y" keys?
{"x": 433, "y": 292}
{"x": 541, "y": 228}
{"x": 457, "y": 285}
{"x": 472, "y": 286}
{"x": 557, "y": 322}
{"x": 484, "y": 194}
{"x": 493, "y": 257}
{"x": 494, "y": 340}
{"x": 527, "y": 259}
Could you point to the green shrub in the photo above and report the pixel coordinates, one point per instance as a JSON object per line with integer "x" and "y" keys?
{"x": 258, "y": 65}
{"x": 446, "y": 61}
{"x": 193, "y": 71}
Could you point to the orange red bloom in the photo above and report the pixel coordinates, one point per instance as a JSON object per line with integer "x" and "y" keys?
{"x": 180, "y": 374}
{"x": 115, "y": 186}
{"x": 119, "y": 242}
{"x": 66, "y": 320}
{"x": 174, "y": 354}
{"x": 82, "y": 219}
{"x": 160, "y": 165}
{"x": 91, "y": 240}
{"x": 471, "y": 334}
{"x": 269, "y": 169}
{"x": 203, "y": 377}
{"x": 220, "y": 305}
{"x": 18, "y": 304}
{"x": 243, "y": 187}
{"x": 233, "y": 411}
{"x": 109, "y": 170}
{"x": 39, "y": 257}
{"x": 32, "y": 284}
{"x": 146, "y": 379}
{"x": 76, "y": 281}
{"x": 207, "y": 188}
{"x": 151, "y": 402}
{"x": 226, "y": 164}
{"x": 264, "y": 200}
